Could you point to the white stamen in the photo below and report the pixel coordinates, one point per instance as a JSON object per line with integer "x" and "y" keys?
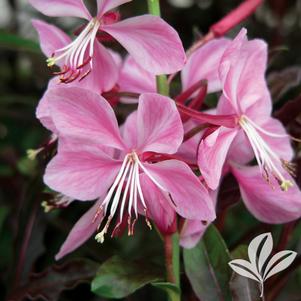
{"x": 128, "y": 172}
{"x": 74, "y": 53}
{"x": 149, "y": 175}
{"x": 267, "y": 159}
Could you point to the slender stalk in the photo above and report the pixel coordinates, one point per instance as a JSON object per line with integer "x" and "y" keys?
{"x": 162, "y": 84}
{"x": 171, "y": 241}
{"x": 172, "y": 263}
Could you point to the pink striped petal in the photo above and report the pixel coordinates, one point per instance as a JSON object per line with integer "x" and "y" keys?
{"x": 104, "y": 74}
{"x": 81, "y": 231}
{"x": 129, "y": 131}
{"x": 203, "y": 64}
{"x": 241, "y": 60}
{"x": 153, "y": 43}
{"x": 212, "y": 154}
{"x": 80, "y": 114}
{"x": 159, "y": 205}
{"x": 51, "y": 37}
{"x": 104, "y": 6}
{"x": 188, "y": 194}
{"x": 133, "y": 78}
{"x": 281, "y": 146}
{"x": 268, "y": 203}
{"x": 80, "y": 171}
{"x": 61, "y": 8}
{"x": 43, "y": 112}
{"x": 159, "y": 124}
{"x": 193, "y": 230}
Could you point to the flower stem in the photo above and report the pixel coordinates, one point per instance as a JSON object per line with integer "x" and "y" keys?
{"x": 172, "y": 263}
{"x": 162, "y": 83}
{"x": 171, "y": 241}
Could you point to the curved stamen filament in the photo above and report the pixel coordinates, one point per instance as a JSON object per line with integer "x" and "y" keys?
{"x": 267, "y": 159}
{"x": 74, "y": 55}
{"x": 127, "y": 179}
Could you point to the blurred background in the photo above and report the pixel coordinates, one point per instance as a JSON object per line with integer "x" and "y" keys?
{"x": 29, "y": 238}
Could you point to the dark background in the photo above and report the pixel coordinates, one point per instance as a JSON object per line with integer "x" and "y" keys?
{"x": 29, "y": 238}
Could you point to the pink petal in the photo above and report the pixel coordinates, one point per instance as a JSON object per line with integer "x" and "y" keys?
{"x": 281, "y": 146}
{"x": 159, "y": 124}
{"x": 62, "y": 8}
{"x": 193, "y": 230}
{"x": 268, "y": 203}
{"x": 159, "y": 205}
{"x": 241, "y": 60}
{"x": 80, "y": 114}
{"x": 104, "y": 74}
{"x": 191, "y": 233}
{"x": 240, "y": 150}
{"x": 81, "y": 171}
{"x": 42, "y": 111}
{"x": 212, "y": 154}
{"x": 51, "y": 37}
{"x": 133, "y": 78}
{"x": 81, "y": 231}
{"x": 189, "y": 149}
{"x": 129, "y": 131}
{"x": 188, "y": 194}
{"x": 203, "y": 64}
{"x": 104, "y": 6}
{"x": 153, "y": 43}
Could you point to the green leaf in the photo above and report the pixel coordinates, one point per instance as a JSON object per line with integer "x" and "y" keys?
{"x": 15, "y": 42}
{"x": 206, "y": 266}
{"x": 118, "y": 278}
{"x": 49, "y": 284}
{"x": 242, "y": 288}
{"x": 170, "y": 288}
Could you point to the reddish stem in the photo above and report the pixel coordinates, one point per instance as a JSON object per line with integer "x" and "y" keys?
{"x": 229, "y": 121}
{"x": 184, "y": 96}
{"x": 169, "y": 258}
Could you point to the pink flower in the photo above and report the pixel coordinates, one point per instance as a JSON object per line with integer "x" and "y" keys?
{"x": 133, "y": 78}
{"x": 151, "y": 41}
{"x": 245, "y": 94}
{"x": 272, "y": 206}
{"x": 203, "y": 64}
{"x": 95, "y": 160}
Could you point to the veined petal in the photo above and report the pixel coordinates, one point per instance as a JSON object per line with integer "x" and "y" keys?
{"x": 81, "y": 231}
{"x": 159, "y": 124}
{"x": 212, "y": 154}
{"x": 267, "y": 202}
{"x": 62, "y": 8}
{"x": 193, "y": 230}
{"x": 280, "y": 145}
{"x": 80, "y": 114}
{"x": 240, "y": 61}
{"x": 133, "y": 78}
{"x": 51, "y": 37}
{"x": 129, "y": 130}
{"x": 42, "y": 111}
{"x": 153, "y": 43}
{"x": 81, "y": 171}
{"x": 159, "y": 205}
{"x": 190, "y": 197}
{"x": 104, "y": 74}
{"x": 191, "y": 233}
{"x": 104, "y": 6}
{"x": 203, "y": 64}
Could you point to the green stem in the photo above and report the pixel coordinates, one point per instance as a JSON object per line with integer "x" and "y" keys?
{"x": 171, "y": 242}
{"x": 162, "y": 83}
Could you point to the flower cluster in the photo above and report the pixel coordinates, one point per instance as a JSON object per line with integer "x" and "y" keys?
{"x": 167, "y": 161}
